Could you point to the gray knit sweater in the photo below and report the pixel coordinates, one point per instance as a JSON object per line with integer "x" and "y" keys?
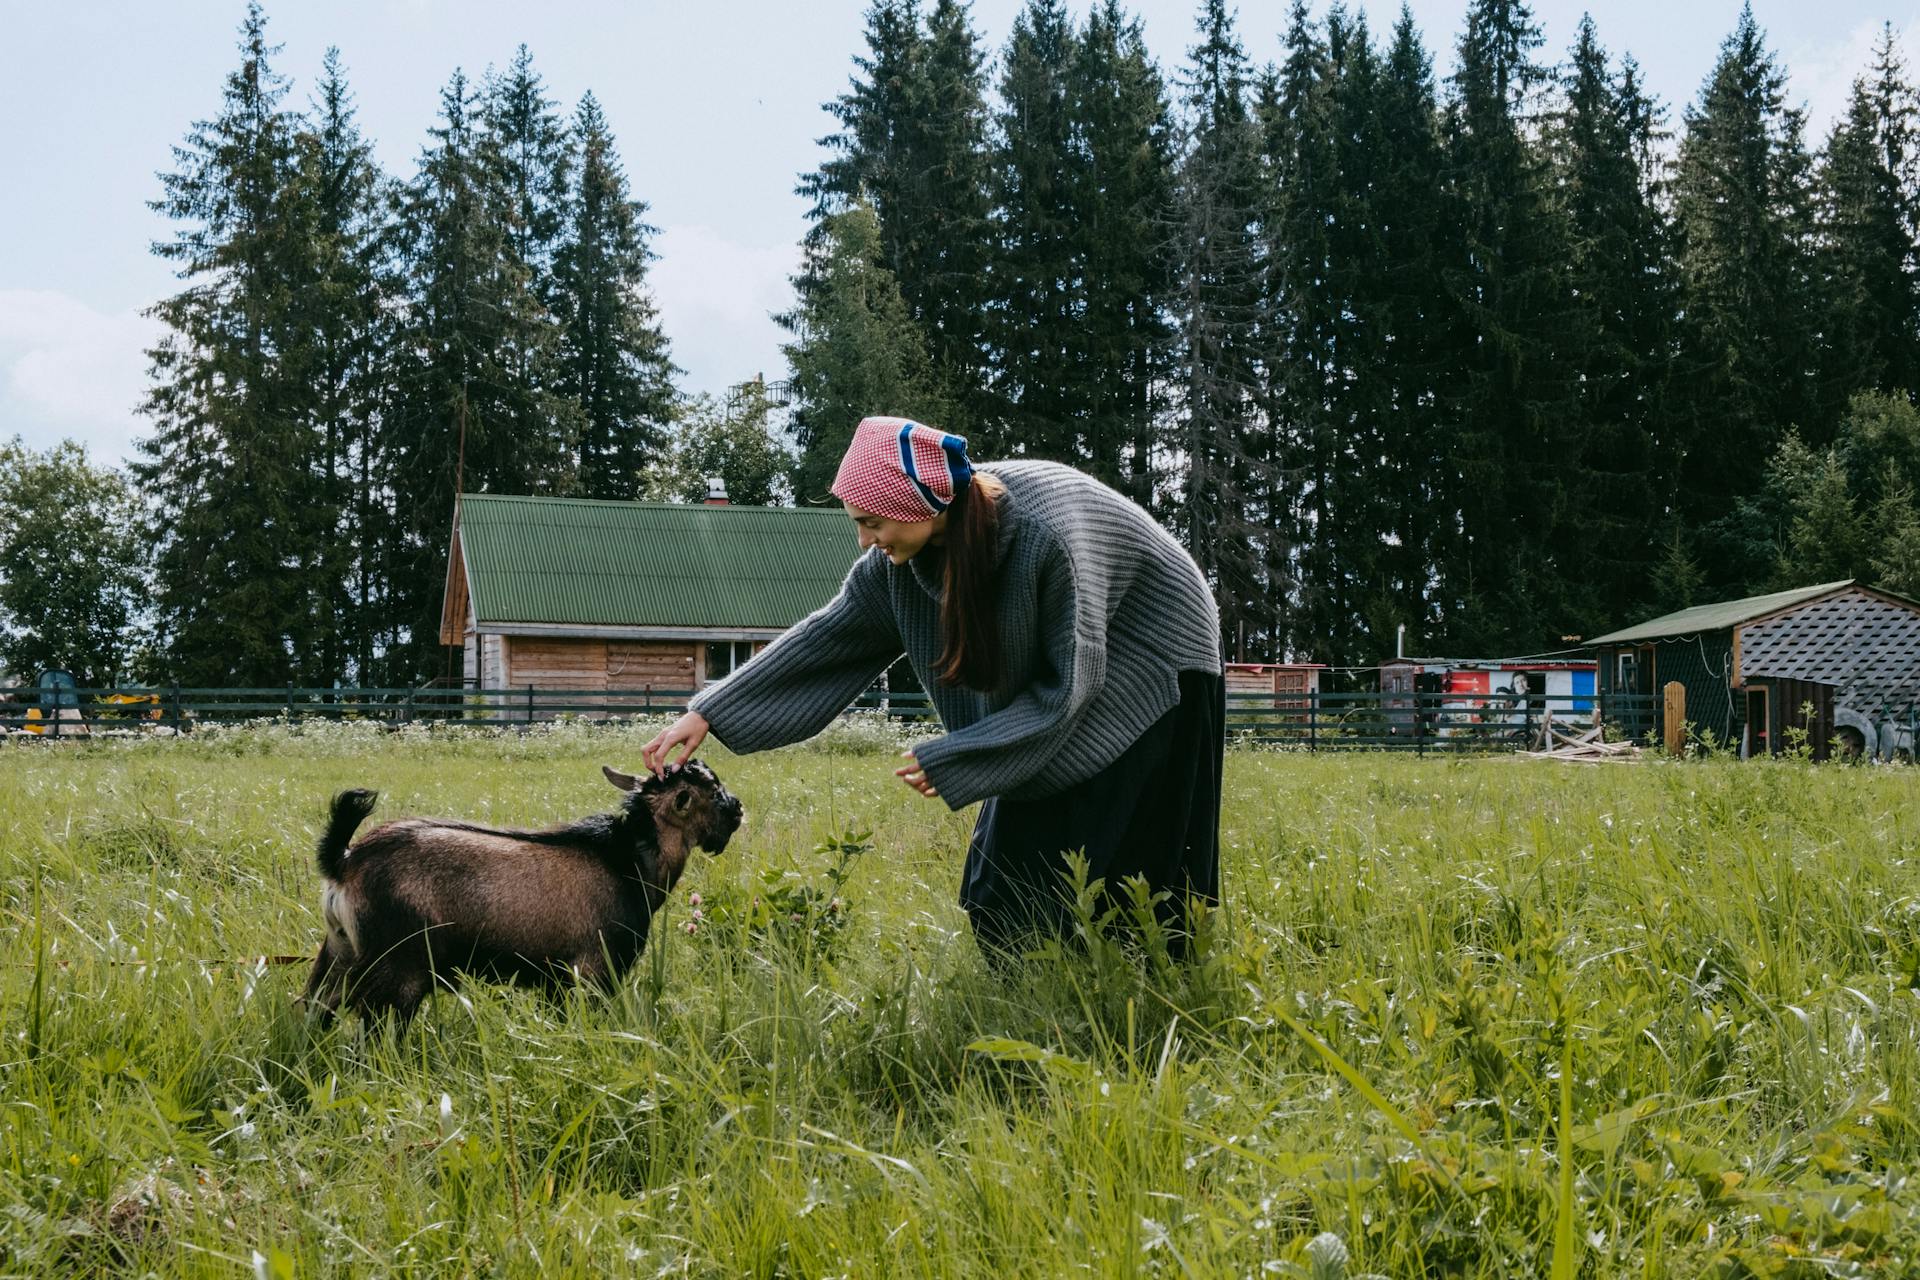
{"x": 1100, "y": 612}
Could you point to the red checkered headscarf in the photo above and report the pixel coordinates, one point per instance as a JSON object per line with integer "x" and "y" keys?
{"x": 901, "y": 470}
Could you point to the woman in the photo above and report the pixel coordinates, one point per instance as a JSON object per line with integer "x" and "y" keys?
{"x": 1071, "y": 648}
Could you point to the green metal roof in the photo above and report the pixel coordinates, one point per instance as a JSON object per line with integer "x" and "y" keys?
{"x": 1718, "y": 617}
{"x": 649, "y": 564}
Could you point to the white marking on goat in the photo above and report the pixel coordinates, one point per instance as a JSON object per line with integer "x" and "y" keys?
{"x": 337, "y": 911}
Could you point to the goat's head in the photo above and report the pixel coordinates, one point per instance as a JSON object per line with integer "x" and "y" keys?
{"x": 688, "y": 798}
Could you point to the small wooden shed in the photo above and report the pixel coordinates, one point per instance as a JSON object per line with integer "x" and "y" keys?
{"x": 577, "y": 594}
{"x": 1289, "y": 683}
{"x": 1751, "y": 666}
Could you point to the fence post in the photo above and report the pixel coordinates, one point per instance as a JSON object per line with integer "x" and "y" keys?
{"x": 409, "y": 712}
{"x": 529, "y": 704}
{"x": 289, "y": 702}
{"x": 649, "y": 702}
{"x": 1419, "y": 726}
{"x": 179, "y": 721}
{"x": 1313, "y": 720}
{"x": 1676, "y": 717}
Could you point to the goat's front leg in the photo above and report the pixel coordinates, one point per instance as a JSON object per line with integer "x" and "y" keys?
{"x": 322, "y": 996}
{"x": 606, "y": 961}
{"x": 593, "y": 969}
{"x": 389, "y": 994}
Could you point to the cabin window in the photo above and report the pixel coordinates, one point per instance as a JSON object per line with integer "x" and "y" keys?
{"x": 724, "y": 657}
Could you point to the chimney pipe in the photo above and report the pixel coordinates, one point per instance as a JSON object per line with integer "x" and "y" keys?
{"x": 716, "y": 492}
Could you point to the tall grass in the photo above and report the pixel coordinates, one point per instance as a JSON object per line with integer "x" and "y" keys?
{"x": 1457, "y": 1018}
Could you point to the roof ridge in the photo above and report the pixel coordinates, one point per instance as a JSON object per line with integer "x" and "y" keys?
{"x": 1717, "y": 614}
{"x": 629, "y": 504}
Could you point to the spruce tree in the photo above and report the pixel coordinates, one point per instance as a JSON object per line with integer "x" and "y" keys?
{"x": 614, "y": 358}
{"x": 228, "y": 469}
{"x": 866, "y": 158}
{"x": 1828, "y": 537}
{"x": 1414, "y": 316}
{"x": 467, "y": 414}
{"x": 945, "y": 256}
{"x": 1869, "y": 219}
{"x": 913, "y": 144}
{"x": 1513, "y": 400}
{"x": 1124, "y": 183}
{"x": 1036, "y": 278}
{"x": 1605, "y": 145}
{"x": 337, "y": 214}
{"x": 1677, "y": 582}
{"x": 1224, "y": 493}
{"x": 528, "y": 146}
{"x": 1843, "y": 511}
{"x": 1298, "y": 340}
{"x": 1893, "y": 543}
{"x": 523, "y": 147}
{"x": 1742, "y": 202}
{"x": 856, "y": 351}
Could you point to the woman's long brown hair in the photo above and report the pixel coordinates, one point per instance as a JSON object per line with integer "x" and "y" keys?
{"x": 969, "y": 630}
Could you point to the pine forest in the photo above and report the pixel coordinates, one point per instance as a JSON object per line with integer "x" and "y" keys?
{"x": 1506, "y": 356}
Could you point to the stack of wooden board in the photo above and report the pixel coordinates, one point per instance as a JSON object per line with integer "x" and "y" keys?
{"x": 1587, "y": 746}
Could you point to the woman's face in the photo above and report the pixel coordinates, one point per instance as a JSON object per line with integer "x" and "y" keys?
{"x": 898, "y": 541}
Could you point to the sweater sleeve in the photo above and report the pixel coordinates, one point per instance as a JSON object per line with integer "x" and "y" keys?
{"x": 1005, "y": 748}
{"x": 794, "y": 687}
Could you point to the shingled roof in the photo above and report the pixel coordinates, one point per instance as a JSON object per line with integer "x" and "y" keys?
{"x": 1716, "y": 617}
{"x": 579, "y": 562}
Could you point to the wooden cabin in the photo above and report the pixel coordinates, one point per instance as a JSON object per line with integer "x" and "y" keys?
{"x": 655, "y": 597}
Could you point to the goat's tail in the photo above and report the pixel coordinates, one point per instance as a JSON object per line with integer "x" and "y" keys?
{"x": 350, "y": 809}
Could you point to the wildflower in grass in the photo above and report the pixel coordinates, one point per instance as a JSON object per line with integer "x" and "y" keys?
{"x": 693, "y": 900}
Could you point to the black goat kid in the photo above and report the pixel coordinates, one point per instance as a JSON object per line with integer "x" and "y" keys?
{"x": 426, "y": 900}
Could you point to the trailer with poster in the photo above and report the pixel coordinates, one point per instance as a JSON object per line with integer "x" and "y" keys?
{"x": 1483, "y": 696}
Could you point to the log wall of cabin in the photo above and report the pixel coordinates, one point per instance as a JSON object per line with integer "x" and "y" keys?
{"x": 588, "y": 665}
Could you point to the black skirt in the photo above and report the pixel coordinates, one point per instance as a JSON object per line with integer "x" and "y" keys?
{"x": 1153, "y": 813}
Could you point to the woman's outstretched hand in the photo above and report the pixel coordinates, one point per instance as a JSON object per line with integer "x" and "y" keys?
{"x": 689, "y": 731}
{"x": 914, "y": 776}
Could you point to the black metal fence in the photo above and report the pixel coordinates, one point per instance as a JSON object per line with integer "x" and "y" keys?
{"x": 1419, "y": 722}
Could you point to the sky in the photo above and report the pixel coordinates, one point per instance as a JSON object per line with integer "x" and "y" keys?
{"x": 716, "y": 108}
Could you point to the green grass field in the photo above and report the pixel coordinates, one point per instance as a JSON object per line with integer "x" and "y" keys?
{"x": 1457, "y": 1018}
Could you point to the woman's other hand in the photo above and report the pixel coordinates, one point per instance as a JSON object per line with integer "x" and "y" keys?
{"x": 689, "y": 731}
{"x": 914, "y": 776}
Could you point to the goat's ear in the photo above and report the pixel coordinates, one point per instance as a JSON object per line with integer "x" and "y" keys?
{"x": 681, "y": 799}
{"x": 624, "y": 781}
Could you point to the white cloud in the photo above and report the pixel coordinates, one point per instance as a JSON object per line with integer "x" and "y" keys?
{"x": 67, "y": 370}
{"x": 716, "y": 299}
{"x": 1821, "y": 75}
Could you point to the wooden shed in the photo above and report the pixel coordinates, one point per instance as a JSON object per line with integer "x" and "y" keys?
{"x": 1289, "y": 683}
{"x": 576, "y": 594}
{"x": 1751, "y": 666}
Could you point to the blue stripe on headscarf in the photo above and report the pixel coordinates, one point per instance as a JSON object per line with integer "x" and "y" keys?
{"x": 958, "y": 466}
